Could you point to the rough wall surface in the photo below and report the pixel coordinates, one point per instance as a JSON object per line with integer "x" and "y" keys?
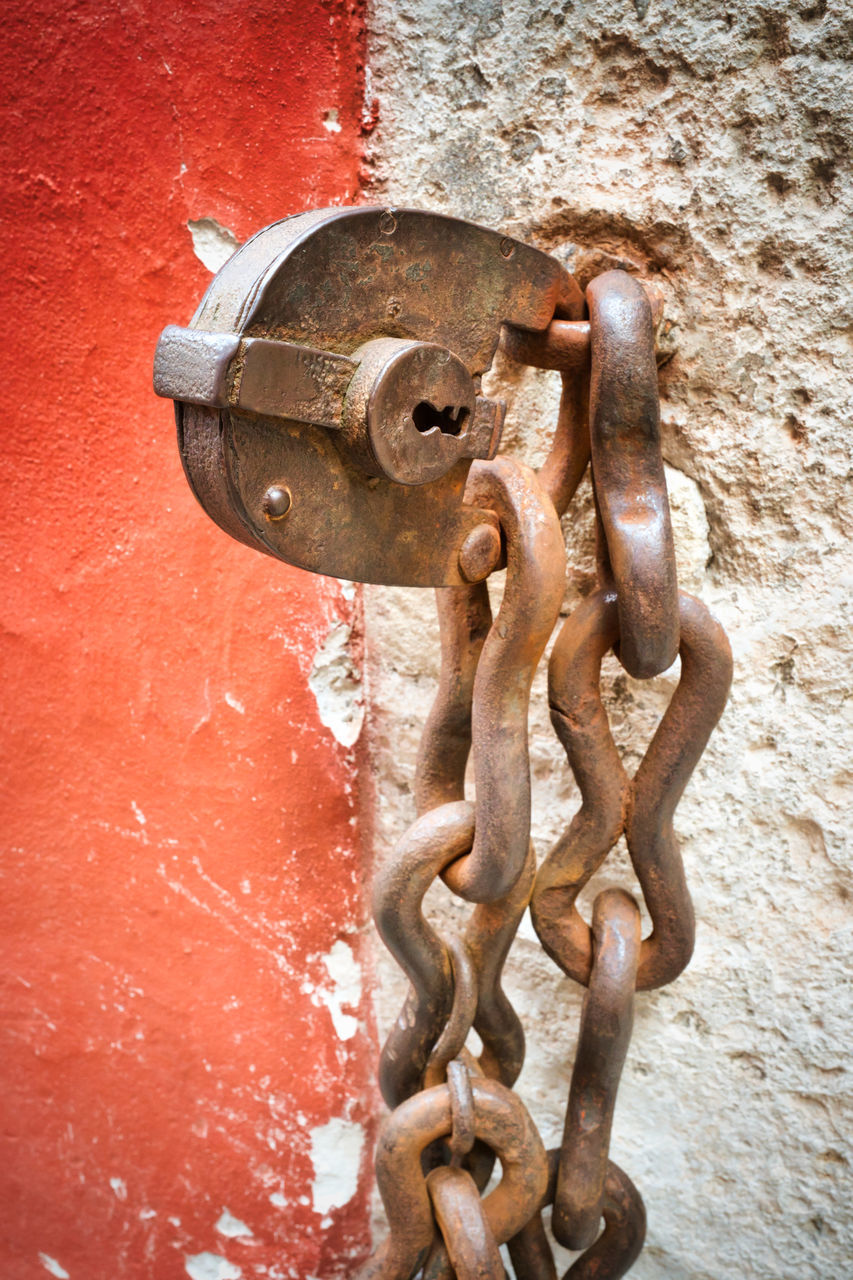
{"x": 185, "y": 1066}
{"x": 707, "y": 148}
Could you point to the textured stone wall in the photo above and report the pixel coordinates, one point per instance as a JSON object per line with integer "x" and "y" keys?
{"x": 705, "y": 147}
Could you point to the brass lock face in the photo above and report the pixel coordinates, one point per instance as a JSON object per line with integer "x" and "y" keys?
{"x": 327, "y": 388}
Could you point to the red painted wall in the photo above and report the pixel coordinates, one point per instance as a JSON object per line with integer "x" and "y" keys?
{"x": 180, "y": 837}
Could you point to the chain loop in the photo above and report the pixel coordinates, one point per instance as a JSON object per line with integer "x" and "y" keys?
{"x": 502, "y": 1122}
{"x": 642, "y": 809}
{"x": 464, "y": 619}
{"x": 428, "y": 846}
{"x": 627, "y": 469}
{"x": 613, "y": 1253}
{"x": 462, "y": 1132}
{"x": 452, "y": 1039}
{"x": 472, "y": 1250}
{"x": 605, "y": 1033}
{"x": 535, "y": 583}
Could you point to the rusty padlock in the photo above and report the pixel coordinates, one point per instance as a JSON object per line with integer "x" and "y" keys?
{"x": 327, "y": 390}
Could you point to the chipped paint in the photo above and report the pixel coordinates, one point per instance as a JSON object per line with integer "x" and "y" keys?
{"x": 336, "y": 1150}
{"x": 232, "y": 1227}
{"x": 211, "y": 1266}
{"x": 51, "y": 1265}
{"x": 345, "y": 973}
{"x": 336, "y": 685}
{"x": 213, "y": 244}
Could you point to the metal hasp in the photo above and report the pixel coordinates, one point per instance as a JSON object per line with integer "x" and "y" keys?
{"x": 330, "y": 413}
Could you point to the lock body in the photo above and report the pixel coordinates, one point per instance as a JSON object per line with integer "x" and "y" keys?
{"x": 327, "y": 389}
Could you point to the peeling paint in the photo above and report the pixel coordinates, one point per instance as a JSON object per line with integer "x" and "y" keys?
{"x": 345, "y": 972}
{"x": 232, "y": 1227}
{"x": 211, "y": 1266}
{"x": 51, "y": 1265}
{"x": 336, "y": 1150}
{"x": 213, "y": 244}
{"x": 336, "y": 685}
{"x": 119, "y": 1187}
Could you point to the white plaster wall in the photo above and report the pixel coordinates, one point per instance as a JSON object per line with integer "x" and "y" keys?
{"x": 706, "y": 146}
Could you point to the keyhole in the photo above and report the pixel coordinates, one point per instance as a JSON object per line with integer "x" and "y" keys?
{"x": 449, "y": 420}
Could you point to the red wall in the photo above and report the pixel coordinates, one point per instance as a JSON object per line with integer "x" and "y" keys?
{"x": 181, "y": 844}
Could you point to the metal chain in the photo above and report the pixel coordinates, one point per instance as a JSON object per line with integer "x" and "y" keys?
{"x": 453, "y": 1115}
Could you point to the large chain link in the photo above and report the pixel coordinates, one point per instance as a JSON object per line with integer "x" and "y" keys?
{"x": 452, "y": 1114}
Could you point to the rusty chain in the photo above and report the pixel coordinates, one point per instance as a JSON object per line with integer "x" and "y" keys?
{"x": 453, "y": 1114}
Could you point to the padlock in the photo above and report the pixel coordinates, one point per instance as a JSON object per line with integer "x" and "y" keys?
{"x": 327, "y": 390}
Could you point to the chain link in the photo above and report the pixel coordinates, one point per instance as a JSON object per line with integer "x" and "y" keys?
{"x": 453, "y": 1115}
